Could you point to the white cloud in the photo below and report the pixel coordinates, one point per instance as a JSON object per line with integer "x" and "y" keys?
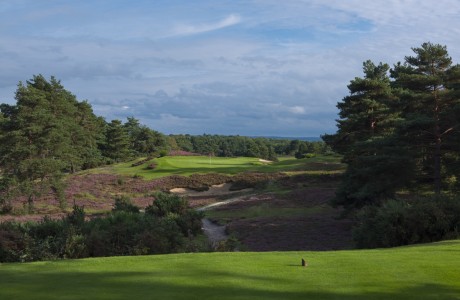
{"x": 201, "y": 28}
{"x": 298, "y": 110}
{"x": 280, "y": 71}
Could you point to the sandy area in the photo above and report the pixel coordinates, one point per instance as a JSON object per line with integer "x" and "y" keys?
{"x": 264, "y": 160}
{"x": 214, "y": 190}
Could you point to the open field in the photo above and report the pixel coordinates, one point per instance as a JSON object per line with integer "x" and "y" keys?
{"x": 415, "y": 272}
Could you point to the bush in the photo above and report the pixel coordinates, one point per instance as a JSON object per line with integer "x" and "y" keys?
{"x": 300, "y": 155}
{"x": 123, "y": 203}
{"x": 152, "y": 166}
{"x": 400, "y": 222}
{"x": 165, "y": 204}
{"x": 12, "y": 242}
{"x": 167, "y": 226}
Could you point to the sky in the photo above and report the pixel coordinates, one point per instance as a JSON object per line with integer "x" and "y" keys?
{"x": 255, "y": 67}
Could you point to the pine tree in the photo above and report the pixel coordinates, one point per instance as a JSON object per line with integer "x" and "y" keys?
{"x": 366, "y": 141}
{"x": 429, "y": 105}
{"x": 117, "y": 142}
{"x": 40, "y": 136}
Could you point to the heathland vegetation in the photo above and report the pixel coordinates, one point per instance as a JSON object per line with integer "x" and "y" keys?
{"x": 388, "y": 177}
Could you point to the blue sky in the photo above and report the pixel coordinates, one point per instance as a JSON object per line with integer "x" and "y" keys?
{"x": 219, "y": 67}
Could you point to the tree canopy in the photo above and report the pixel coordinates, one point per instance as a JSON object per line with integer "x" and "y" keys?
{"x": 400, "y": 127}
{"x": 48, "y": 133}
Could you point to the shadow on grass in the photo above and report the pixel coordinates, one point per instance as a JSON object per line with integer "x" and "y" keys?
{"x": 160, "y": 285}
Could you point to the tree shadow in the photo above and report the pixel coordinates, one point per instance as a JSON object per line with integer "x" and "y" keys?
{"x": 160, "y": 285}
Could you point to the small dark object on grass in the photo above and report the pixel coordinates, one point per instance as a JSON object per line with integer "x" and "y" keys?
{"x": 304, "y": 263}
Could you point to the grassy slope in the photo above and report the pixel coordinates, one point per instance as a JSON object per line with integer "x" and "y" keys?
{"x": 416, "y": 272}
{"x": 187, "y": 165}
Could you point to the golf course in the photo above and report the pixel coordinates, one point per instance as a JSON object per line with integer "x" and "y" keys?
{"x": 413, "y": 272}
{"x": 425, "y": 271}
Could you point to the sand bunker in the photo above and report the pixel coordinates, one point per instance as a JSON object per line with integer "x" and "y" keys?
{"x": 265, "y": 161}
{"x": 214, "y": 190}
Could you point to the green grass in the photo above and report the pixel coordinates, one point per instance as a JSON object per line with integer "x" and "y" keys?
{"x": 417, "y": 272}
{"x": 187, "y": 165}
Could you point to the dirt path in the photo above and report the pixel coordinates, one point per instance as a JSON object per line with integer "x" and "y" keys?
{"x": 214, "y": 232}
{"x": 221, "y": 203}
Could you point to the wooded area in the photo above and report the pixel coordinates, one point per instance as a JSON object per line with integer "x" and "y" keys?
{"x": 400, "y": 128}
{"x": 49, "y": 133}
{"x": 399, "y": 134}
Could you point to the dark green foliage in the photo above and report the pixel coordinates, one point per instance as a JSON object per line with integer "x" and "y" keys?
{"x": 117, "y": 142}
{"x": 166, "y": 227}
{"x": 123, "y": 203}
{"x": 12, "y": 242}
{"x": 400, "y": 222}
{"x": 47, "y": 133}
{"x": 400, "y": 133}
{"x": 427, "y": 86}
{"x": 230, "y": 146}
{"x": 165, "y": 204}
{"x": 143, "y": 140}
{"x": 365, "y": 139}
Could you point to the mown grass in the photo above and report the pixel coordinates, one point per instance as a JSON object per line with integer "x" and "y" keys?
{"x": 416, "y": 272}
{"x": 188, "y": 165}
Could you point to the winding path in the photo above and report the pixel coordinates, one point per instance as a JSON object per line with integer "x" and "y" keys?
{"x": 215, "y": 232}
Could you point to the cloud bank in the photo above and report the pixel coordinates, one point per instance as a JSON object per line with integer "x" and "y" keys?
{"x": 237, "y": 67}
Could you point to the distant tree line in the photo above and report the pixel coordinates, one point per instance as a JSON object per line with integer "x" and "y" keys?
{"x": 229, "y": 146}
{"x": 399, "y": 130}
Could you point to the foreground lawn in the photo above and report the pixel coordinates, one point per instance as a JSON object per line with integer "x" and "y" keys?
{"x": 187, "y": 165}
{"x": 416, "y": 272}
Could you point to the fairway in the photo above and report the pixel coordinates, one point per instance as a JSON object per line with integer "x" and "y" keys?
{"x": 187, "y": 165}
{"x": 415, "y": 272}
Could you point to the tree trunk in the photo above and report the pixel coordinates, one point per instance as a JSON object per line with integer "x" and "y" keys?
{"x": 437, "y": 167}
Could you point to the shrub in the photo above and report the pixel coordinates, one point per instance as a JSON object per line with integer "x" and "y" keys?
{"x": 167, "y": 226}
{"x": 165, "y": 204}
{"x": 400, "y": 222}
{"x": 123, "y": 203}
{"x": 152, "y": 166}
{"x": 12, "y": 242}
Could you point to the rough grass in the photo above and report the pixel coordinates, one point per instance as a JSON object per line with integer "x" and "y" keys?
{"x": 415, "y": 272}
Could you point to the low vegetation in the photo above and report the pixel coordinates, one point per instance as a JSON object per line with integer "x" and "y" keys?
{"x": 167, "y": 226}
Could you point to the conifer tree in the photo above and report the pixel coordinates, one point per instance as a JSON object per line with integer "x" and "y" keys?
{"x": 42, "y": 136}
{"x": 117, "y": 142}
{"x": 365, "y": 139}
{"x": 429, "y": 104}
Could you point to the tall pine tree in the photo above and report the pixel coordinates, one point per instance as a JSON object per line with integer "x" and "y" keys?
{"x": 427, "y": 85}
{"x": 366, "y": 141}
{"x": 42, "y": 136}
